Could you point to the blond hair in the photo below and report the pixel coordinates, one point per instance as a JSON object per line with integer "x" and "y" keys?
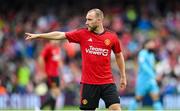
{"x": 98, "y": 12}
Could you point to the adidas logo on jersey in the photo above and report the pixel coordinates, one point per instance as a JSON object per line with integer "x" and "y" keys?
{"x": 90, "y": 39}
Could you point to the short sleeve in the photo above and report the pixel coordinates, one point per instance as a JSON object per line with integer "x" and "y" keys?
{"x": 116, "y": 46}
{"x": 74, "y": 36}
{"x": 45, "y": 51}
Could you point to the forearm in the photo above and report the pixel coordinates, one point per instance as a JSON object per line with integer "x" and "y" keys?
{"x": 53, "y": 35}
{"x": 121, "y": 64}
{"x": 41, "y": 64}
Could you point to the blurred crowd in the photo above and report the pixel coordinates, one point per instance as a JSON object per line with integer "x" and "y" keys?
{"x": 133, "y": 21}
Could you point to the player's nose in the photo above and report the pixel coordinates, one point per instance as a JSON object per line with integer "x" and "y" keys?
{"x": 87, "y": 23}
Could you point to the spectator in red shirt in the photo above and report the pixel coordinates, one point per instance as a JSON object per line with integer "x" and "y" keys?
{"x": 96, "y": 45}
{"x": 3, "y": 90}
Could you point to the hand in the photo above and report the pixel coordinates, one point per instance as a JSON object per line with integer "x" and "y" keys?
{"x": 123, "y": 82}
{"x": 31, "y": 36}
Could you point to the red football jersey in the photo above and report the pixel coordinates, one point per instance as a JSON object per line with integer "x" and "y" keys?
{"x": 96, "y": 54}
{"x": 51, "y": 56}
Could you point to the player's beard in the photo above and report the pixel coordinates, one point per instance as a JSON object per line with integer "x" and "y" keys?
{"x": 92, "y": 28}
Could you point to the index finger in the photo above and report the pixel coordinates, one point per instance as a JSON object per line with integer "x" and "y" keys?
{"x": 27, "y": 37}
{"x": 27, "y": 34}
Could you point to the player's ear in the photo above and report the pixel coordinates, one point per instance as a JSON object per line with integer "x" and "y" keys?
{"x": 99, "y": 19}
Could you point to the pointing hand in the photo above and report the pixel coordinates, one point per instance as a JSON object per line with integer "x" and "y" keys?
{"x": 29, "y": 36}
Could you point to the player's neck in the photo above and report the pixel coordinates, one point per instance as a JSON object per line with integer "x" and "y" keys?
{"x": 99, "y": 30}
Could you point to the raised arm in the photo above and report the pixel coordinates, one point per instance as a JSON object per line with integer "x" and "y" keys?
{"x": 121, "y": 65}
{"x": 51, "y": 35}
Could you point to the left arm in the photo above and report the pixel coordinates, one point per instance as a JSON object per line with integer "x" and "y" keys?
{"x": 121, "y": 65}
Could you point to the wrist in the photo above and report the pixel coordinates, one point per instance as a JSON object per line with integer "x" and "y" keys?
{"x": 39, "y": 35}
{"x": 123, "y": 76}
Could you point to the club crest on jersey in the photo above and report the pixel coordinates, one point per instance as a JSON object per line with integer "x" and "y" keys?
{"x": 84, "y": 101}
{"x": 107, "y": 42}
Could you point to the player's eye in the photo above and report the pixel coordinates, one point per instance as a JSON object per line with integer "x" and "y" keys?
{"x": 89, "y": 19}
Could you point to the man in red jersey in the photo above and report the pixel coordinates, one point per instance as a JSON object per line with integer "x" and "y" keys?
{"x": 50, "y": 63}
{"x": 96, "y": 45}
